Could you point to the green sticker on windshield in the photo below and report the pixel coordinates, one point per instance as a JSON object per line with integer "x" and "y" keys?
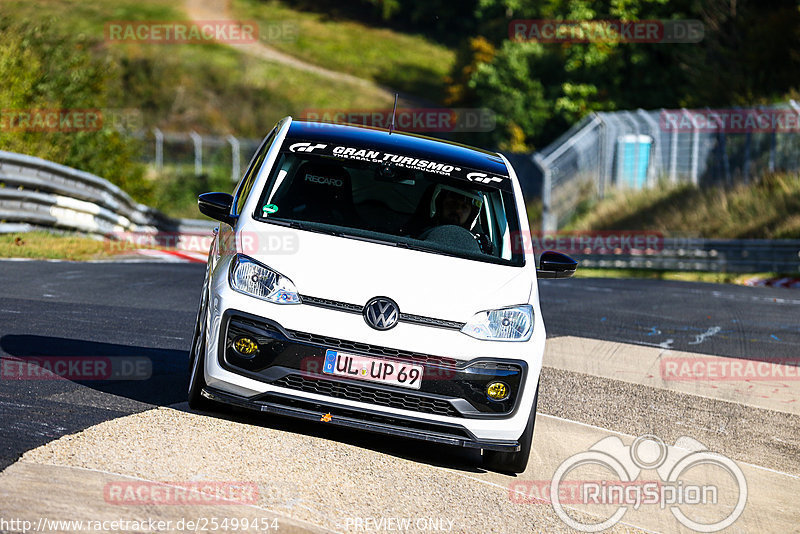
{"x": 269, "y": 209}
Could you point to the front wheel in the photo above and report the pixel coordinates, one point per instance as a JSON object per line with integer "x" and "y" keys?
{"x": 514, "y": 462}
{"x": 197, "y": 380}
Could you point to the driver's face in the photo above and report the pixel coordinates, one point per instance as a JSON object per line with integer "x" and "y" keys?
{"x": 455, "y": 208}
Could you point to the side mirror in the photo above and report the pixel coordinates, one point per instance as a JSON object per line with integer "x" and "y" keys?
{"x": 217, "y": 206}
{"x": 555, "y": 265}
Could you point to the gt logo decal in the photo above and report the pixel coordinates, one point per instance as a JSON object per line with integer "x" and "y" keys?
{"x": 482, "y": 177}
{"x": 305, "y": 147}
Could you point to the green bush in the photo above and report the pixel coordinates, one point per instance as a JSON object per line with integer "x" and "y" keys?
{"x": 43, "y": 69}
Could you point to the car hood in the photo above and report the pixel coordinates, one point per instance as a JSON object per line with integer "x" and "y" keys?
{"x": 354, "y": 271}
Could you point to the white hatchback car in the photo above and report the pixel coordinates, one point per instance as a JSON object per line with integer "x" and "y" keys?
{"x": 376, "y": 280}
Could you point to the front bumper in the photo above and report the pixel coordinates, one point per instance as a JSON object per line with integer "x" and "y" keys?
{"x": 371, "y": 421}
{"x": 294, "y": 360}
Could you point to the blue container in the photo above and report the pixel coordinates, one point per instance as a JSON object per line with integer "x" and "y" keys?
{"x": 633, "y": 160}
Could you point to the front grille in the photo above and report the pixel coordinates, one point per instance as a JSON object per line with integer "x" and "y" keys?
{"x": 335, "y": 343}
{"x": 332, "y": 304}
{"x": 354, "y": 392}
{"x": 430, "y": 321}
{"x": 404, "y": 317}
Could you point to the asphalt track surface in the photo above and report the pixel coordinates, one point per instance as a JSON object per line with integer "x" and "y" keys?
{"x": 148, "y": 309}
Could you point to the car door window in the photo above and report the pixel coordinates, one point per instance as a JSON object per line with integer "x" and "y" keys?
{"x": 246, "y": 184}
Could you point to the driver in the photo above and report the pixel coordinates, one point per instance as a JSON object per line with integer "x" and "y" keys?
{"x": 452, "y": 205}
{"x": 459, "y": 207}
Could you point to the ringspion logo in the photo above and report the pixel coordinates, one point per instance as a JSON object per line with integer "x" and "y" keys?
{"x": 690, "y": 478}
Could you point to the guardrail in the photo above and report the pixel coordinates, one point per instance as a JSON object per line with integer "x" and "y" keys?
{"x": 38, "y": 193}
{"x": 713, "y": 255}
{"x": 41, "y": 193}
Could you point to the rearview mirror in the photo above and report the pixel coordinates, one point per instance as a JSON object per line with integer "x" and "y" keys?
{"x": 554, "y": 264}
{"x": 217, "y": 206}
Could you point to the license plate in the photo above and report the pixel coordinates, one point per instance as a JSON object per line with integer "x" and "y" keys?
{"x": 372, "y": 369}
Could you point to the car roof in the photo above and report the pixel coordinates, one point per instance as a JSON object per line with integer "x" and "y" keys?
{"x": 398, "y": 142}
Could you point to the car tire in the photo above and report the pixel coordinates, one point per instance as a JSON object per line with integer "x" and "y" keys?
{"x": 514, "y": 462}
{"x": 197, "y": 353}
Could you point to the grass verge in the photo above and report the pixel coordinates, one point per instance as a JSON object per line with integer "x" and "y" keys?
{"x": 43, "y": 245}
{"x": 409, "y": 63}
{"x": 211, "y": 88}
{"x": 682, "y": 276}
{"x": 766, "y": 209}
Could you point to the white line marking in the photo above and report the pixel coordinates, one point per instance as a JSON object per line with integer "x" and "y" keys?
{"x": 587, "y": 425}
{"x": 699, "y": 338}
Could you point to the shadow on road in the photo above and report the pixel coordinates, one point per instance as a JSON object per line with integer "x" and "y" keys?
{"x": 167, "y": 383}
{"x": 468, "y": 460}
{"x": 159, "y": 375}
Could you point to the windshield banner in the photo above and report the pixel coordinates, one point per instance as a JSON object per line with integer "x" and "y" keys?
{"x": 405, "y": 161}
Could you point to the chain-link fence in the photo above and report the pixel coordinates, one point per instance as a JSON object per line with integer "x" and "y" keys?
{"x": 637, "y": 149}
{"x": 192, "y": 153}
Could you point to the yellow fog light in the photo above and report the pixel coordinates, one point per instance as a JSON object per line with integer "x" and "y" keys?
{"x": 245, "y": 346}
{"x": 497, "y": 391}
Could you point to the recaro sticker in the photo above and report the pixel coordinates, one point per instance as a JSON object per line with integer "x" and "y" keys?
{"x": 336, "y": 182}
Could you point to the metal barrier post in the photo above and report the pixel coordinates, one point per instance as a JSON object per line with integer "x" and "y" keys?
{"x": 673, "y": 156}
{"x": 695, "y": 152}
{"x": 548, "y": 217}
{"x": 772, "y": 143}
{"x": 198, "y": 152}
{"x": 746, "y": 166}
{"x": 235, "y": 155}
{"x": 159, "y": 149}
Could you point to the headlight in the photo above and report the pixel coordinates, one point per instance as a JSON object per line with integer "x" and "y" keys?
{"x": 251, "y": 278}
{"x": 506, "y": 324}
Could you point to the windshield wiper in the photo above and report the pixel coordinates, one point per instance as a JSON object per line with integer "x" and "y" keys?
{"x": 298, "y": 225}
{"x": 423, "y": 248}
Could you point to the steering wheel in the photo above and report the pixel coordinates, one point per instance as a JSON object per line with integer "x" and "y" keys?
{"x": 448, "y": 230}
{"x": 487, "y": 247}
{"x": 453, "y": 235}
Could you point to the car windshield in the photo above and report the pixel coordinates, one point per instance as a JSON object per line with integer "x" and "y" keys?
{"x": 393, "y": 198}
